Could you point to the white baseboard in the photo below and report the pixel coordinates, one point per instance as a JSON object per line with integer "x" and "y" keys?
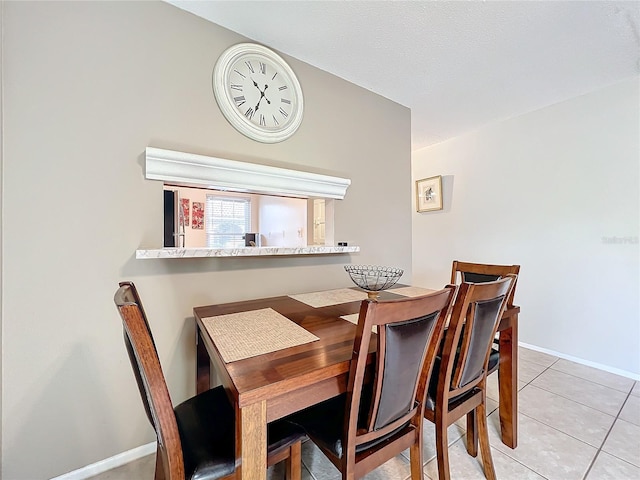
{"x": 109, "y": 463}
{"x": 599, "y": 366}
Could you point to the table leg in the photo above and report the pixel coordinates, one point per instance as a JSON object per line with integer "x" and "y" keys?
{"x": 251, "y": 443}
{"x": 203, "y": 365}
{"x": 508, "y": 383}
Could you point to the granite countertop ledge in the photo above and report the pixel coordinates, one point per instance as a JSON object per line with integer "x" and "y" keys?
{"x": 242, "y": 252}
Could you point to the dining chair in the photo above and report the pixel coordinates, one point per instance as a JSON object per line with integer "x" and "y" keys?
{"x": 381, "y": 413}
{"x": 458, "y": 384}
{"x": 196, "y": 439}
{"x": 483, "y": 272}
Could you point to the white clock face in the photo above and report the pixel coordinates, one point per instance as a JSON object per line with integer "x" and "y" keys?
{"x": 258, "y": 93}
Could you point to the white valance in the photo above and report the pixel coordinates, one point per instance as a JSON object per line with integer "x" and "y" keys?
{"x": 222, "y": 174}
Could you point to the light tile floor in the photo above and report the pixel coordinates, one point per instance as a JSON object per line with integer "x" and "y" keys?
{"x": 575, "y": 422}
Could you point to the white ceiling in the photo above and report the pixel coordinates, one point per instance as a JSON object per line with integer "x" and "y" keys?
{"x": 457, "y": 65}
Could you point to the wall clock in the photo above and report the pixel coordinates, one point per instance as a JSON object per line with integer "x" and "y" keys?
{"x": 258, "y": 92}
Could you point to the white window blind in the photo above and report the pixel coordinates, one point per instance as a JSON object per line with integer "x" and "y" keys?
{"x": 227, "y": 220}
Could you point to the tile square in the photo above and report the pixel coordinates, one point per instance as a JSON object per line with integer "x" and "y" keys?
{"x": 591, "y": 394}
{"x": 276, "y": 472}
{"x": 624, "y": 442}
{"x": 143, "y": 467}
{"x": 636, "y": 390}
{"x": 316, "y": 462}
{"x": 611, "y": 380}
{"x": 534, "y": 356}
{"x": 454, "y": 432}
{"x": 545, "y": 450}
{"x": 493, "y": 392}
{"x": 582, "y": 422}
{"x": 608, "y": 467}
{"x": 397, "y": 468}
{"x": 464, "y": 466}
{"x": 528, "y": 371}
{"x": 631, "y": 410}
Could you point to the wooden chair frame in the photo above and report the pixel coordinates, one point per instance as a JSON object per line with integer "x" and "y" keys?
{"x": 459, "y": 267}
{"x": 155, "y": 395}
{"x": 471, "y": 396}
{"x": 354, "y": 464}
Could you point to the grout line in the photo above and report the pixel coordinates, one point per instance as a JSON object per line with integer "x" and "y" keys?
{"x": 519, "y": 462}
{"x": 494, "y": 449}
{"x": 586, "y": 380}
{"x": 576, "y": 401}
{"x": 583, "y": 362}
{"x": 604, "y": 440}
{"x": 543, "y": 371}
{"x": 558, "y": 430}
{"x": 591, "y": 381}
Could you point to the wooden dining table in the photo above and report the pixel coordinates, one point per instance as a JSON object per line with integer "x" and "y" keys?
{"x": 272, "y": 385}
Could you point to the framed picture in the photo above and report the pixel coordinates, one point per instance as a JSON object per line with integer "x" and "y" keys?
{"x": 184, "y": 212}
{"x": 197, "y": 219}
{"x": 429, "y": 194}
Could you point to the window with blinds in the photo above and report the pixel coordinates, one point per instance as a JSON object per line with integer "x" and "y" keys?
{"x": 227, "y": 220}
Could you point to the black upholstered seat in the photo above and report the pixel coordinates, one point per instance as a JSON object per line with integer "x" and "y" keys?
{"x": 494, "y": 359}
{"x": 196, "y": 439}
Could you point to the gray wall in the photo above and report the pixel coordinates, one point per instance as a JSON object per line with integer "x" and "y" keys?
{"x": 556, "y": 191}
{"x": 87, "y": 86}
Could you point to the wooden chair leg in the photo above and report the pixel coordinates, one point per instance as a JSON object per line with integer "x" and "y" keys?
{"x": 442, "y": 449}
{"x": 415, "y": 457}
{"x": 293, "y": 463}
{"x": 485, "y": 448}
{"x": 348, "y": 472}
{"x": 159, "y": 466}
{"x": 472, "y": 433}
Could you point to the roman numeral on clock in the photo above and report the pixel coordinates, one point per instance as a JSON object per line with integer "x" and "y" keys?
{"x": 250, "y": 67}
{"x": 236, "y": 86}
{"x": 284, "y": 114}
{"x": 249, "y": 113}
{"x": 263, "y": 68}
{"x": 285, "y": 100}
{"x": 239, "y": 100}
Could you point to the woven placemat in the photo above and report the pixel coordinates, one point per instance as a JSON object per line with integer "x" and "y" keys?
{"x": 248, "y": 334}
{"x": 330, "y": 297}
{"x": 411, "y": 291}
{"x": 353, "y": 318}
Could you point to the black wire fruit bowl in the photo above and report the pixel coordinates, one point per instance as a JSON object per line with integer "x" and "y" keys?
{"x": 373, "y": 278}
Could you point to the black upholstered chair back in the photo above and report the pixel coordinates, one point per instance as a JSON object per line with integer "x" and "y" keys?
{"x": 409, "y": 331}
{"x": 149, "y": 376}
{"x": 473, "y": 325}
{"x": 482, "y": 273}
{"x": 402, "y": 349}
{"x": 471, "y": 277}
{"x": 482, "y": 323}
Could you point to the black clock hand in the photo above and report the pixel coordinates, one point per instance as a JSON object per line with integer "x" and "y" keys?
{"x": 263, "y": 94}
{"x": 260, "y": 99}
